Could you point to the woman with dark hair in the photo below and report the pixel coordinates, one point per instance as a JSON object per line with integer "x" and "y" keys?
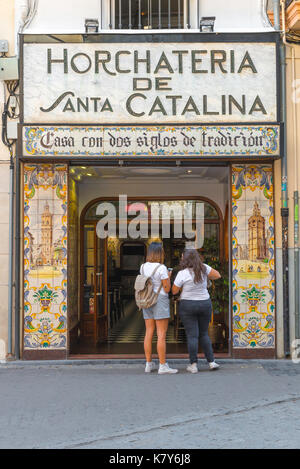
{"x": 157, "y": 316}
{"x": 195, "y": 308}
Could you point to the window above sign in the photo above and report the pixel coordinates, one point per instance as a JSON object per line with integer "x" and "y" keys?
{"x": 150, "y": 14}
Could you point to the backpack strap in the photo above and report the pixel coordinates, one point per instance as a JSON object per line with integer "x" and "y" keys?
{"x": 154, "y": 271}
{"x": 156, "y": 268}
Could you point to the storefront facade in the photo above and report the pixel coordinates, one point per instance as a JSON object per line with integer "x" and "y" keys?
{"x": 166, "y": 100}
{"x": 168, "y": 116}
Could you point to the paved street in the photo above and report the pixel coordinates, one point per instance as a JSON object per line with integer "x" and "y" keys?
{"x": 245, "y": 404}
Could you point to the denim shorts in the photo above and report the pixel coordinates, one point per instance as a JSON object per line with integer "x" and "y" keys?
{"x": 161, "y": 309}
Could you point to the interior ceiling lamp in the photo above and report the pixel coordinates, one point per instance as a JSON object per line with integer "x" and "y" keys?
{"x": 91, "y": 26}
{"x": 207, "y": 24}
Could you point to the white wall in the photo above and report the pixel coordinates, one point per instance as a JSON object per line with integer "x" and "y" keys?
{"x": 148, "y": 187}
{"x": 61, "y": 16}
{"x": 69, "y": 15}
{"x": 245, "y": 15}
{"x": 7, "y": 32}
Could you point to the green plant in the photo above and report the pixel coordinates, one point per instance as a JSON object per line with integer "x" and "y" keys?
{"x": 219, "y": 290}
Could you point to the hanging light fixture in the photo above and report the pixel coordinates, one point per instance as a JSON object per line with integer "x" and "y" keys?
{"x": 207, "y": 24}
{"x": 91, "y": 26}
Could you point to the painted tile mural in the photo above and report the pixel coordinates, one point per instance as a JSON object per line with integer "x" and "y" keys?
{"x": 253, "y": 257}
{"x": 73, "y": 255}
{"x": 45, "y": 256}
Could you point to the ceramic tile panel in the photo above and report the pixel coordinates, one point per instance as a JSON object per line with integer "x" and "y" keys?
{"x": 73, "y": 287}
{"x": 45, "y": 256}
{"x": 253, "y": 265}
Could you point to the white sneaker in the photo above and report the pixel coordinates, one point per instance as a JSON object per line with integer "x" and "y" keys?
{"x": 192, "y": 368}
{"x": 150, "y": 366}
{"x": 165, "y": 369}
{"x": 213, "y": 366}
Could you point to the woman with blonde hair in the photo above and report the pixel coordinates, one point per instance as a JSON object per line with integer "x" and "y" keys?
{"x": 157, "y": 316}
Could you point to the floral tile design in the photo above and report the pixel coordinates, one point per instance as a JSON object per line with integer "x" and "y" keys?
{"x": 253, "y": 263}
{"x": 45, "y": 256}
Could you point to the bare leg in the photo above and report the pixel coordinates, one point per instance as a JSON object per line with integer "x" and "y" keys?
{"x": 161, "y": 330}
{"x": 150, "y": 328}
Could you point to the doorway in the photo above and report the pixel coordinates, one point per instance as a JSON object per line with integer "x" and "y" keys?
{"x": 109, "y": 322}
{"x": 94, "y": 318}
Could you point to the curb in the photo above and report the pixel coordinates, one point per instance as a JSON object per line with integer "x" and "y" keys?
{"x": 128, "y": 362}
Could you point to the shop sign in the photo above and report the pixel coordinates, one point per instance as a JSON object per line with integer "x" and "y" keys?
{"x": 143, "y": 83}
{"x": 148, "y": 141}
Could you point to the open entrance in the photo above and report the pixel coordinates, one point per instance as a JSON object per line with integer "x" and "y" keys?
{"x": 103, "y": 316}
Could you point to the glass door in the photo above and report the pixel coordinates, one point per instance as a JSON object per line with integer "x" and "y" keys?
{"x": 101, "y": 317}
{"x": 94, "y": 287}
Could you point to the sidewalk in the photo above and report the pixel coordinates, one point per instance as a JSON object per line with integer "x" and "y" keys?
{"x": 245, "y": 404}
{"x": 119, "y": 362}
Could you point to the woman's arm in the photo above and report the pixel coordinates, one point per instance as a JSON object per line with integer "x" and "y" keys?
{"x": 166, "y": 283}
{"x": 178, "y": 283}
{"x": 214, "y": 275}
{"x": 175, "y": 289}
